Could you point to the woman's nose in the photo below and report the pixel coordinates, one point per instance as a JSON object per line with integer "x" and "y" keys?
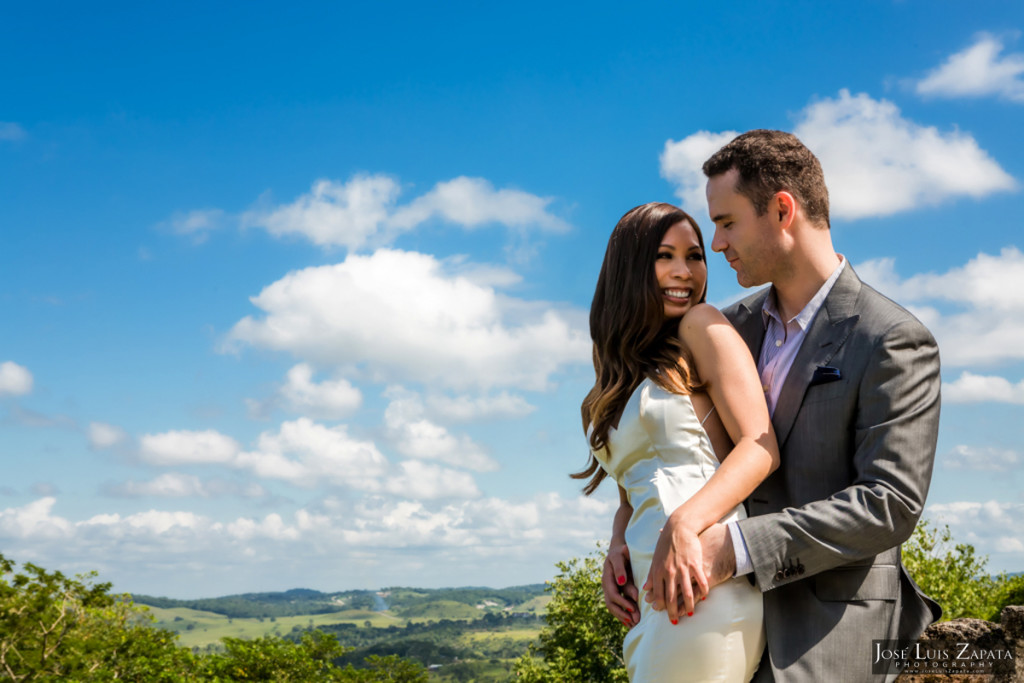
{"x": 681, "y": 270}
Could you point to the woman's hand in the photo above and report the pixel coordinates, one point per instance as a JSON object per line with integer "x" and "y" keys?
{"x": 677, "y": 580}
{"x": 620, "y": 593}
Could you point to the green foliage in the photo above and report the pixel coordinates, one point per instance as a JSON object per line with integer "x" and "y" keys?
{"x": 274, "y": 659}
{"x": 582, "y": 640}
{"x": 54, "y": 628}
{"x": 1010, "y": 591}
{"x": 952, "y": 574}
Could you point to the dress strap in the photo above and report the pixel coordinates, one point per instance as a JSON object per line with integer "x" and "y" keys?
{"x": 708, "y": 415}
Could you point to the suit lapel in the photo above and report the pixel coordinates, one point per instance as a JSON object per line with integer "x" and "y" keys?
{"x": 749, "y": 322}
{"x": 829, "y": 330}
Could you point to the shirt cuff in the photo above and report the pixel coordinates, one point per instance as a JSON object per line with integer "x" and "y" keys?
{"x": 739, "y": 547}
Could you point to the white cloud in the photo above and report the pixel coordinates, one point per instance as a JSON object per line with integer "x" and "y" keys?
{"x": 424, "y": 481}
{"x": 403, "y": 316}
{"x": 308, "y": 454}
{"x": 332, "y": 214}
{"x": 149, "y": 523}
{"x": 33, "y": 521}
{"x": 417, "y": 437}
{"x": 468, "y": 408}
{"x": 876, "y": 162}
{"x": 971, "y": 388}
{"x": 991, "y": 526}
{"x": 198, "y": 224}
{"x": 982, "y": 459}
{"x": 681, "y": 163}
{"x": 333, "y": 545}
{"x": 472, "y": 202}
{"x": 327, "y": 400}
{"x": 177, "y": 485}
{"x": 184, "y": 447}
{"x": 978, "y": 71}
{"x": 11, "y": 131}
{"x": 15, "y": 380}
{"x": 103, "y": 435}
{"x": 988, "y": 292}
{"x": 272, "y": 526}
{"x": 363, "y": 212}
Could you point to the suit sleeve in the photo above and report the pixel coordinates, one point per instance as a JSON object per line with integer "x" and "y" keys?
{"x": 893, "y": 438}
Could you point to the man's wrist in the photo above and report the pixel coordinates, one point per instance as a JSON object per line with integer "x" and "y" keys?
{"x": 741, "y": 564}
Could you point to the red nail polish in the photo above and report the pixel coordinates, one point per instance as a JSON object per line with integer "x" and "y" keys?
{"x": 675, "y": 621}
{"x": 621, "y": 580}
{"x": 704, "y": 598}
{"x": 689, "y": 614}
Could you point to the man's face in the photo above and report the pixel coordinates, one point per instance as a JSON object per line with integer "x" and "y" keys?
{"x": 747, "y": 240}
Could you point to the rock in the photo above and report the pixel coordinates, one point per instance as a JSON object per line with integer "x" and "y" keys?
{"x": 1012, "y": 618}
{"x": 999, "y": 645}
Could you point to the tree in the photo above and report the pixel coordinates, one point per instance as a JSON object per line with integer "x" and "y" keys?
{"x": 953, "y": 575}
{"x": 56, "y": 628}
{"x": 582, "y": 640}
{"x": 1009, "y": 592}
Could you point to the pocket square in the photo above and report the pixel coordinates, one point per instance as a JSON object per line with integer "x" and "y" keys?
{"x": 823, "y": 374}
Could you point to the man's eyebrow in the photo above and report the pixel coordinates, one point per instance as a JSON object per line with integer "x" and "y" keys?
{"x": 719, "y": 217}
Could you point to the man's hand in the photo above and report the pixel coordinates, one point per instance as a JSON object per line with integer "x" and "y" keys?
{"x": 719, "y": 557}
{"x": 620, "y": 594}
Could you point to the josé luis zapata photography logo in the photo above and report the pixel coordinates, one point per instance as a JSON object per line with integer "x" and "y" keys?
{"x": 939, "y": 656}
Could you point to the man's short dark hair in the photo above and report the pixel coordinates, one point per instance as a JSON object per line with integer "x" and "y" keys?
{"x": 771, "y": 161}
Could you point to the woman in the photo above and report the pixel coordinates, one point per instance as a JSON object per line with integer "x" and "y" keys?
{"x": 675, "y": 387}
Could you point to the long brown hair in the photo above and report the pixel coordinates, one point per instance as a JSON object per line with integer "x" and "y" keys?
{"x": 632, "y": 338}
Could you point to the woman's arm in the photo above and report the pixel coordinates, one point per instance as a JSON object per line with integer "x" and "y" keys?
{"x": 620, "y": 593}
{"x": 724, "y": 364}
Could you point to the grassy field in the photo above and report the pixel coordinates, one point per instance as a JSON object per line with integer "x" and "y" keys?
{"x": 478, "y": 638}
{"x": 199, "y": 629}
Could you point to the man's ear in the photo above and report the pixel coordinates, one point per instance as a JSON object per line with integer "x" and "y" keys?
{"x": 784, "y": 206}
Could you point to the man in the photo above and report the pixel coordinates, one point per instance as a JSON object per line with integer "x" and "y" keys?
{"x": 852, "y": 382}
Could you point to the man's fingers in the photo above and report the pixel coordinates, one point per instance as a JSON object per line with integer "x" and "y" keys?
{"x": 701, "y": 586}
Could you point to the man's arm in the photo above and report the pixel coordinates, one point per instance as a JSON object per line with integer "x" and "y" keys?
{"x": 894, "y": 436}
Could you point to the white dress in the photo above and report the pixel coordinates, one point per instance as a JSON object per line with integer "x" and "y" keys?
{"x": 661, "y": 455}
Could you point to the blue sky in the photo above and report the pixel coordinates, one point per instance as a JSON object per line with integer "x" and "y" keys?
{"x": 297, "y": 296}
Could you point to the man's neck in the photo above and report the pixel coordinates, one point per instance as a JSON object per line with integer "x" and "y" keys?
{"x": 802, "y": 282}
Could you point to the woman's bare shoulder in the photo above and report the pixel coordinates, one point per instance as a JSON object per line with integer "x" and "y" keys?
{"x": 700, "y": 320}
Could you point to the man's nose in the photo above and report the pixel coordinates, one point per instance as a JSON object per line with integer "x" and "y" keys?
{"x": 718, "y": 242}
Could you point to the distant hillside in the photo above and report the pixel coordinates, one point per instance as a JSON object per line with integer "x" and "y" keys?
{"x": 300, "y": 601}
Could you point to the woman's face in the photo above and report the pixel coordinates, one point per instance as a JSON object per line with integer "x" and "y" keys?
{"x": 680, "y": 269}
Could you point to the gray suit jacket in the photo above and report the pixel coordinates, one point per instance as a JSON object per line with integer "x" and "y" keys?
{"x": 857, "y": 422}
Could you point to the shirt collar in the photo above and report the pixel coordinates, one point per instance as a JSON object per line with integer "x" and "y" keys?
{"x": 770, "y": 308}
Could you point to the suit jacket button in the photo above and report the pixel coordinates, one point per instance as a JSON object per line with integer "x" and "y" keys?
{"x": 800, "y": 569}
{"x": 779, "y": 576}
